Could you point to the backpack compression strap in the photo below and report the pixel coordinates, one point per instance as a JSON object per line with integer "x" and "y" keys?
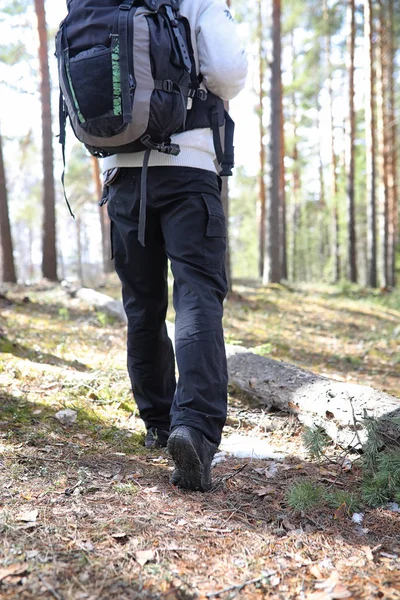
{"x": 124, "y": 9}
{"x": 180, "y": 41}
{"x": 225, "y": 157}
{"x": 61, "y": 138}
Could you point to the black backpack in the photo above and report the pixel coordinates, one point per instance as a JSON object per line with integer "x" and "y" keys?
{"x": 128, "y": 79}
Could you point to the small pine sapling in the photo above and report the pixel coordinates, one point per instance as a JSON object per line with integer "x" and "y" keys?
{"x": 315, "y": 440}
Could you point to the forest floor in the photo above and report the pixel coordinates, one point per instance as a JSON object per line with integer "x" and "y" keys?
{"x": 87, "y": 513}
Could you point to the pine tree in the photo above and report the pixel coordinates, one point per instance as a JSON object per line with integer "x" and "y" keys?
{"x": 382, "y": 139}
{"x": 393, "y": 201}
{"x": 7, "y": 257}
{"x": 370, "y": 145}
{"x": 49, "y": 258}
{"x": 351, "y": 220}
{"x": 272, "y": 267}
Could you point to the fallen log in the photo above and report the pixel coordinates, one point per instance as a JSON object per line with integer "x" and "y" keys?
{"x": 340, "y": 408}
{"x": 102, "y": 302}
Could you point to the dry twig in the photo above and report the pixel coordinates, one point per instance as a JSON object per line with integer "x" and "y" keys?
{"x": 240, "y": 586}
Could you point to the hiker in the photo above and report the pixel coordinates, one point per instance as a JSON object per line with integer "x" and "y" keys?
{"x": 164, "y": 203}
{"x": 185, "y": 223}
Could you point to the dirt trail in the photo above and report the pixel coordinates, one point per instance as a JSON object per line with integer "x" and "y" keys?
{"x": 86, "y": 513}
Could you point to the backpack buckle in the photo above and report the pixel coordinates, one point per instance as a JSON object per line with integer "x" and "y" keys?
{"x": 167, "y": 85}
{"x": 172, "y": 149}
{"x": 126, "y": 6}
{"x": 164, "y": 147}
{"x": 202, "y": 95}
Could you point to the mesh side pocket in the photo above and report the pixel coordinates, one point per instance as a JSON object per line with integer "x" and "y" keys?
{"x": 91, "y": 74}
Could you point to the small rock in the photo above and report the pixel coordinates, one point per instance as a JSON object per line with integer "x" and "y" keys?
{"x": 66, "y": 416}
{"x": 357, "y": 518}
{"x": 396, "y": 332}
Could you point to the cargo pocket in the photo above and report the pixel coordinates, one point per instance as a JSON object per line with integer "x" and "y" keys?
{"x": 215, "y": 236}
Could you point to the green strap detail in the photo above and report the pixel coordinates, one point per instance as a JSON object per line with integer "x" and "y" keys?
{"x": 116, "y": 77}
{"x": 71, "y": 87}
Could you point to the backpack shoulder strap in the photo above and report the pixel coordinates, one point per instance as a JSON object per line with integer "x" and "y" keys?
{"x": 156, "y": 4}
{"x": 172, "y": 14}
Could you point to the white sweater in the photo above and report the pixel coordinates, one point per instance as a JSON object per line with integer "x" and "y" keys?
{"x": 221, "y": 60}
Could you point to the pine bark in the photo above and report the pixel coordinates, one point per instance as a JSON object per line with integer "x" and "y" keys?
{"x": 337, "y": 407}
{"x": 296, "y": 177}
{"x": 7, "y": 257}
{"x": 296, "y": 206}
{"x": 284, "y": 265}
{"x": 351, "y": 220}
{"x": 49, "y": 259}
{"x": 393, "y": 200}
{"x": 370, "y": 144}
{"x": 382, "y": 138}
{"x": 272, "y": 267}
{"x": 261, "y": 184}
{"x": 335, "y": 248}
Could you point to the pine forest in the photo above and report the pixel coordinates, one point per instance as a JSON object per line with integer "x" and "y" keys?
{"x": 301, "y": 498}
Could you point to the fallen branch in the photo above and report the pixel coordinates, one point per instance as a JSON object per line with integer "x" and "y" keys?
{"x": 49, "y": 588}
{"x": 239, "y": 587}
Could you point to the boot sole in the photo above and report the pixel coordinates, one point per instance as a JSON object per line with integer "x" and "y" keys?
{"x": 188, "y": 463}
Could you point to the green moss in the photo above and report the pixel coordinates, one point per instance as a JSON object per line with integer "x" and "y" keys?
{"x": 263, "y": 350}
{"x": 126, "y": 489}
{"x": 6, "y": 346}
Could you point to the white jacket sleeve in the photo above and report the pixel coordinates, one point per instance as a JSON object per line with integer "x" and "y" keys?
{"x": 222, "y": 59}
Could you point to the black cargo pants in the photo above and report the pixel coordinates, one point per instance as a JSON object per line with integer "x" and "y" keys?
{"x": 185, "y": 224}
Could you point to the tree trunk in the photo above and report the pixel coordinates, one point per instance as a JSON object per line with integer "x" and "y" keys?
{"x": 282, "y": 217}
{"x": 296, "y": 210}
{"x": 272, "y": 267}
{"x": 262, "y": 194}
{"x": 79, "y": 266}
{"x": 49, "y": 259}
{"x": 7, "y": 256}
{"x": 104, "y": 219}
{"x": 393, "y": 153}
{"x": 323, "y": 234}
{"x": 370, "y": 146}
{"x": 296, "y": 176}
{"x": 351, "y": 221}
{"x": 335, "y": 249}
{"x": 382, "y": 137}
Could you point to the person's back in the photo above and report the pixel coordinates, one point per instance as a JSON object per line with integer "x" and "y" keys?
{"x": 222, "y": 63}
{"x": 185, "y": 223}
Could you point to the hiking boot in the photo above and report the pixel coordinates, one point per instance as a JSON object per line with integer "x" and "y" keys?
{"x": 156, "y": 438}
{"x": 192, "y": 454}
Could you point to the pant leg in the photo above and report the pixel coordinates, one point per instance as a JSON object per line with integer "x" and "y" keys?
{"x": 143, "y": 274}
{"x": 195, "y": 237}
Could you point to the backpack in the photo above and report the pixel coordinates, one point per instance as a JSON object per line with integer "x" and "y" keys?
{"x": 128, "y": 80}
